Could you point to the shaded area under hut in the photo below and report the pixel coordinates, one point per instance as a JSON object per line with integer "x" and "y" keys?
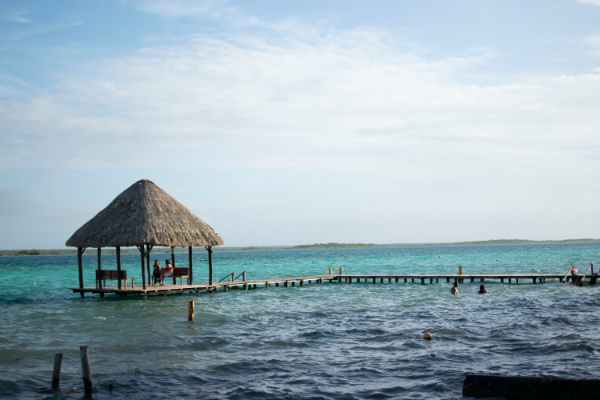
{"x": 144, "y": 216}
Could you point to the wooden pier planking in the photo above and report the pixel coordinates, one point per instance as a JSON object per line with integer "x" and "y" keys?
{"x": 423, "y": 279}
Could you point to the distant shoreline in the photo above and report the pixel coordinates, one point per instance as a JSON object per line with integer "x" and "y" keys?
{"x": 494, "y": 242}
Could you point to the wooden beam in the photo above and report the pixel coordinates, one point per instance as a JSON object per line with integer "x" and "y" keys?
{"x": 190, "y": 271}
{"x": 531, "y": 388}
{"x": 99, "y": 283}
{"x": 148, "y": 250}
{"x": 80, "y": 266}
{"x": 142, "y": 251}
{"x": 210, "y": 269}
{"x": 99, "y": 267}
{"x": 118, "y": 249}
{"x": 173, "y": 264}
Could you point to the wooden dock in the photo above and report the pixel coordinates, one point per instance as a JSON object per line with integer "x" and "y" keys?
{"x": 423, "y": 279}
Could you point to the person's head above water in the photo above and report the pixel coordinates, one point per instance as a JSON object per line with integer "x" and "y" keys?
{"x": 482, "y": 289}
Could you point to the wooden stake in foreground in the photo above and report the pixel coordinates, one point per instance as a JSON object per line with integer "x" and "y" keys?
{"x": 56, "y": 371}
{"x": 191, "y": 310}
{"x": 85, "y": 371}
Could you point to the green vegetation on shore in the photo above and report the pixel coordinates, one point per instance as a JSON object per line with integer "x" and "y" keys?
{"x": 496, "y": 242}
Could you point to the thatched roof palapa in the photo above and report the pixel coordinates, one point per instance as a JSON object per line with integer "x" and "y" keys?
{"x": 144, "y": 213}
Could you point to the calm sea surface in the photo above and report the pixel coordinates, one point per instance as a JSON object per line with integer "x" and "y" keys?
{"x": 359, "y": 341}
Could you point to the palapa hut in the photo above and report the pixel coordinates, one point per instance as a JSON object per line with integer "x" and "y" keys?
{"x": 143, "y": 216}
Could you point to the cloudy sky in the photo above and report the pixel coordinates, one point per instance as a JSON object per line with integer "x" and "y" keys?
{"x": 309, "y": 121}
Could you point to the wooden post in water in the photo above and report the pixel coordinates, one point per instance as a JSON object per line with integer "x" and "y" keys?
{"x": 191, "y": 310}
{"x": 80, "y": 267}
{"x": 190, "y": 271}
{"x": 210, "y": 269}
{"x": 85, "y": 371}
{"x": 118, "y": 255}
{"x": 56, "y": 371}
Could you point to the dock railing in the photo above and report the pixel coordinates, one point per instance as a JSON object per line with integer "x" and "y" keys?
{"x": 232, "y": 276}
{"x": 228, "y": 277}
{"x": 332, "y": 270}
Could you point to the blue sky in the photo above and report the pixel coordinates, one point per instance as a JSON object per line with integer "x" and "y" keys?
{"x": 309, "y": 121}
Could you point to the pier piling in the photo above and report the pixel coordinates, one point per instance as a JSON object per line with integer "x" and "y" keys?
{"x": 85, "y": 371}
{"x": 191, "y": 310}
{"x": 56, "y": 371}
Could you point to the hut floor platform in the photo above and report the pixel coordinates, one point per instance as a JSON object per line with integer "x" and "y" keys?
{"x": 530, "y": 278}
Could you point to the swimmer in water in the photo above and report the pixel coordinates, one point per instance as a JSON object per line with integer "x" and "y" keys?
{"x": 482, "y": 289}
{"x": 454, "y": 290}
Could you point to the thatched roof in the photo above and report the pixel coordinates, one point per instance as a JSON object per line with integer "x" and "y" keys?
{"x": 144, "y": 213}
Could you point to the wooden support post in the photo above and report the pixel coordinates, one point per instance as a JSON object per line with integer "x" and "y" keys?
{"x": 99, "y": 282}
{"x": 173, "y": 264}
{"x": 396, "y": 279}
{"x": 80, "y": 267}
{"x": 99, "y": 267}
{"x": 210, "y": 269}
{"x": 509, "y": 280}
{"x": 472, "y": 279}
{"x": 412, "y": 280}
{"x": 482, "y": 279}
{"x": 190, "y": 271}
{"x": 431, "y": 281}
{"x": 118, "y": 255}
{"x": 56, "y": 371}
{"x": 447, "y": 279}
{"x": 422, "y": 281}
{"x": 374, "y": 279}
{"x": 143, "y": 260}
{"x": 501, "y": 280}
{"x": 405, "y": 280}
{"x": 85, "y": 371}
{"x": 191, "y": 310}
{"x": 148, "y": 273}
{"x": 534, "y": 280}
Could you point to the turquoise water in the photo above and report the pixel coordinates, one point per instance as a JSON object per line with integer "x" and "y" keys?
{"x": 359, "y": 341}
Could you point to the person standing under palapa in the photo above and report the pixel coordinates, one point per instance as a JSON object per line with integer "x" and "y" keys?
{"x": 156, "y": 273}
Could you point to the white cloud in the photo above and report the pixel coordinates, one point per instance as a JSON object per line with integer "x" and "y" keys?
{"x": 589, "y": 2}
{"x": 17, "y": 17}
{"x": 398, "y": 132}
{"x": 593, "y": 44}
{"x": 183, "y": 8}
{"x": 346, "y": 92}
